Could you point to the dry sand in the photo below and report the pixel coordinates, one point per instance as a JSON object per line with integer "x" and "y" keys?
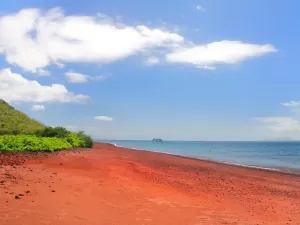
{"x": 116, "y": 186}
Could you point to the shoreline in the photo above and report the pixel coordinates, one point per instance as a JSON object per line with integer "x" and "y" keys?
{"x": 255, "y": 167}
{"x": 287, "y": 171}
{"x": 118, "y": 185}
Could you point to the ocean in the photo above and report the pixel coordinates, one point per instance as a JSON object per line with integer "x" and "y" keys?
{"x": 268, "y": 155}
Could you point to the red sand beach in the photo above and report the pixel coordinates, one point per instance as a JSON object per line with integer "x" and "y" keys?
{"x": 114, "y": 186}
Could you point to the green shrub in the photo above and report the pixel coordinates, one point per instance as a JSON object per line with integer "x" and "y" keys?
{"x": 59, "y": 132}
{"x": 74, "y": 140}
{"x": 32, "y": 143}
{"x": 86, "y": 140}
{"x": 80, "y": 140}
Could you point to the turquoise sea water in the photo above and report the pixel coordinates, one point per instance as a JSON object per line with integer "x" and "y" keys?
{"x": 273, "y": 155}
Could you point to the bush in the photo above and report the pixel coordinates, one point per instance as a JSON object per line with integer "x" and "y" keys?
{"x": 80, "y": 140}
{"x": 87, "y": 140}
{"x": 49, "y": 139}
{"x": 74, "y": 140}
{"x": 32, "y": 143}
{"x": 59, "y": 132}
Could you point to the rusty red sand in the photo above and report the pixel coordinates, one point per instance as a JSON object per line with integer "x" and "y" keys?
{"x": 112, "y": 185}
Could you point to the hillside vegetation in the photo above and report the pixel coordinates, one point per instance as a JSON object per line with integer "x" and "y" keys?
{"x": 18, "y": 132}
{"x": 13, "y": 121}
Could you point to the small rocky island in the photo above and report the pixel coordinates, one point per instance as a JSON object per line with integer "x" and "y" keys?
{"x": 157, "y": 140}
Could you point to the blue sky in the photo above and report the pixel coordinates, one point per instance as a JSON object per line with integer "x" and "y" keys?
{"x": 179, "y": 70}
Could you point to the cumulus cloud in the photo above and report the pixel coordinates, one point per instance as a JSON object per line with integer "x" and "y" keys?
{"x": 15, "y": 88}
{"x": 38, "y": 108}
{"x": 81, "y": 78}
{"x": 223, "y": 52}
{"x": 76, "y": 77}
{"x": 33, "y": 39}
{"x": 103, "y": 118}
{"x": 281, "y": 124}
{"x": 152, "y": 61}
{"x": 291, "y": 104}
{"x": 59, "y": 65}
{"x": 43, "y": 72}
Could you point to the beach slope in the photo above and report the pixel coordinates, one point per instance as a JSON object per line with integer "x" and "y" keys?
{"x": 112, "y": 185}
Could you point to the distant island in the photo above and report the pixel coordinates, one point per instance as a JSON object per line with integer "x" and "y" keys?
{"x": 157, "y": 140}
{"x": 18, "y": 132}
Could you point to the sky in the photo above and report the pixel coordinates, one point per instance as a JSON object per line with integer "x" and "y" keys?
{"x": 177, "y": 70}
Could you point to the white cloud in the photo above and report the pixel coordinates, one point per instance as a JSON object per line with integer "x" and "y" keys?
{"x": 33, "y": 39}
{"x": 59, "y": 65}
{"x": 291, "y": 104}
{"x": 207, "y": 67}
{"x": 200, "y": 8}
{"x": 281, "y": 124}
{"x": 103, "y": 118}
{"x": 76, "y": 77}
{"x": 81, "y": 78}
{"x": 152, "y": 61}
{"x": 38, "y": 108}
{"x": 15, "y": 88}
{"x": 43, "y": 72}
{"x": 223, "y": 52}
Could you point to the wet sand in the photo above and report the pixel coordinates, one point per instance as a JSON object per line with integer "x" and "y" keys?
{"x": 111, "y": 185}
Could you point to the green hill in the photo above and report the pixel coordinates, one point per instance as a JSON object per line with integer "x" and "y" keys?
{"x": 13, "y": 121}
